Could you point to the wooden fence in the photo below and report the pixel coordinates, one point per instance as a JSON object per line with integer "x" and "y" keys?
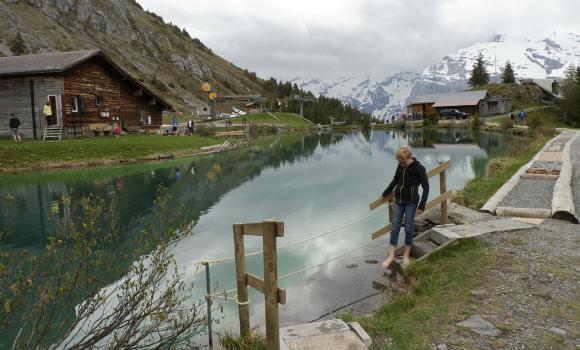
{"x": 269, "y": 230}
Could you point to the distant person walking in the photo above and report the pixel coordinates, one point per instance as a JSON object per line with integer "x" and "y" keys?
{"x": 190, "y": 126}
{"x": 175, "y": 124}
{"x": 512, "y": 117}
{"x": 14, "y": 124}
{"x": 405, "y": 184}
{"x": 522, "y": 117}
{"x": 117, "y": 130}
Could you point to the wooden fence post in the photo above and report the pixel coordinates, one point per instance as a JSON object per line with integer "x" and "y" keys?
{"x": 244, "y": 309}
{"x": 442, "y": 190}
{"x": 271, "y": 285}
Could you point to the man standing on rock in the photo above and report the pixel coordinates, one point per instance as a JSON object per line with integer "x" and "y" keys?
{"x": 405, "y": 184}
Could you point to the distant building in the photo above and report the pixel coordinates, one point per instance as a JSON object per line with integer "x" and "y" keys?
{"x": 471, "y": 102}
{"x": 549, "y": 86}
{"x": 83, "y": 88}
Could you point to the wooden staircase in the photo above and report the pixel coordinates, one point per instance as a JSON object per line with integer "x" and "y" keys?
{"x": 52, "y": 133}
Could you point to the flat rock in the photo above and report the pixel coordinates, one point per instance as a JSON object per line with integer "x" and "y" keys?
{"x": 558, "y": 331}
{"x": 441, "y": 347}
{"x": 480, "y": 326}
{"x": 479, "y": 292}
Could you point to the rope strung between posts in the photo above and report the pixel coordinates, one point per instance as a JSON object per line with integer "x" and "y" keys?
{"x": 223, "y": 295}
{"x": 229, "y": 258}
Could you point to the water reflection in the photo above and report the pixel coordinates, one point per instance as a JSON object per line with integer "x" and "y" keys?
{"x": 313, "y": 183}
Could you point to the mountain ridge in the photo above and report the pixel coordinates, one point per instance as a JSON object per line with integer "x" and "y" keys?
{"x": 531, "y": 57}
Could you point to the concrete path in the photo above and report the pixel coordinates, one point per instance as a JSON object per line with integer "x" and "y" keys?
{"x": 541, "y": 188}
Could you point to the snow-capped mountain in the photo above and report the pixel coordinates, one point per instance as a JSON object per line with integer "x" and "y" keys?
{"x": 531, "y": 57}
{"x": 378, "y": 97}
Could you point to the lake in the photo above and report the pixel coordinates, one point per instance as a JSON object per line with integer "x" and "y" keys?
{"x": 314, "y": 183}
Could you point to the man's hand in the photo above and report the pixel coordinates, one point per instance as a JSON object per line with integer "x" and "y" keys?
{"x": 420, "y": 211}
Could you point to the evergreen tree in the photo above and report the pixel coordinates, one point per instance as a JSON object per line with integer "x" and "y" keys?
{"x": 17, "y": 45}
{"x": 570, "y": 89}
{"x": 509, "y": 76}
{"x": 479, "y": 75}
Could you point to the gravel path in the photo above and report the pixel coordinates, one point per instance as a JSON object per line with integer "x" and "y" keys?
{"x": 530, "y": 194}
{"x": 531, "y": 294}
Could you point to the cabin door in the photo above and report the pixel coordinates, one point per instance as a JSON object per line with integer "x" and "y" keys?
{"x": 56, "y": 107}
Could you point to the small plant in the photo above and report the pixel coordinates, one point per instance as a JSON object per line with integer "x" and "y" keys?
{"x": 431, "y": 119}
{"x": 251, "y": 341}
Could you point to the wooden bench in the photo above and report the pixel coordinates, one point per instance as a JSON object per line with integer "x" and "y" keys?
{"x": 101, "y": 129}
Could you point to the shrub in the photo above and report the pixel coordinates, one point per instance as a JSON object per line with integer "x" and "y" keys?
{"x": 431, "y": 119}
{"x": 506, "y": 124}
{"x": 205, "y": 130}
{"x": 17, "y": 45}
{"x": 475, "y": 122}
{"x": 535, "y": 122}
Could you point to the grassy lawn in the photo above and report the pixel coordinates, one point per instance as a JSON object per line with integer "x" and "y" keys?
{"x": 259, "y": 118}
{"x": 31, "y": 153}
{"x": 292, "y": 120}
{"x": 549, "y": 118}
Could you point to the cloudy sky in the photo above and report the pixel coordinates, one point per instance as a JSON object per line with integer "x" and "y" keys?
{"x": 330, "y": 38}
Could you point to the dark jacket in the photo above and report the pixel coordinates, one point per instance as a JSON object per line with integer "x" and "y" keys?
{"x": 14, "y": 123}
{"x": 406, "y": 182}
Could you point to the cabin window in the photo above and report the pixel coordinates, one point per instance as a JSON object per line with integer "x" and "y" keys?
{"x": 76, "y": 104}
{"x": 205, "y": 109}
{"x": 99, "y": 100}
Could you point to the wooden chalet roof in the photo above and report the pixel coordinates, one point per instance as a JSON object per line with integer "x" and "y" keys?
{"x": 462, "y": 98}
{"x": 449, "y": 99}
{"x": 59, "y": 62}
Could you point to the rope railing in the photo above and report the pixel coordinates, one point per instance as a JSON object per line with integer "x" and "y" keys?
{"x": 230, "y": 258}
{"x": 224, "y": 295}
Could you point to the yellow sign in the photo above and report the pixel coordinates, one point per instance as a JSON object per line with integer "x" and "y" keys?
{"x": 213, "y": 95}
{"x": 206, "y": 87}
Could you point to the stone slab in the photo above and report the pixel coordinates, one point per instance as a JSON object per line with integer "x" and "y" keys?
{"x": 488, "y": 226}
{"x": 551, "y": 157}
{"x": 330, "y": 334}
{"x": 355, "y": 326}
{"x": 532, "y": 221}
{"x": 480, "y": 326}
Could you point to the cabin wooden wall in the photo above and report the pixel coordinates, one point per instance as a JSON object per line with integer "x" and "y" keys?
{"x": 15, "y": 98}
{"x": 425, "y": 108}
{"x": 121, "y": 98}
{"x": 137, "y": 105}
{"x": 90, "y": 80}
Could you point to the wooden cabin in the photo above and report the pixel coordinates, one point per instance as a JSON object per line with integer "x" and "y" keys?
{"x": 86, "y": 91}
{"x": 470, "y": 102}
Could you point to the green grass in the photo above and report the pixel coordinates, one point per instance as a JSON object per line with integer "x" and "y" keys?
{"x": 292, "y": 120}
{"x": 260, "y": 118}
{"x": 250, "y": 342}
{"x": 477, "y": 191}
{"x": 34, "y": 153}
{"x": 439, "y": 286}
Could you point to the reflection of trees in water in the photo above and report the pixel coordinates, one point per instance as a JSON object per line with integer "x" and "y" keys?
{"x": 198, "y": 184}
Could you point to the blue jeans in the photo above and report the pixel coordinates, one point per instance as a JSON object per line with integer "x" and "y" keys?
{"x": 408, "y": 209}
